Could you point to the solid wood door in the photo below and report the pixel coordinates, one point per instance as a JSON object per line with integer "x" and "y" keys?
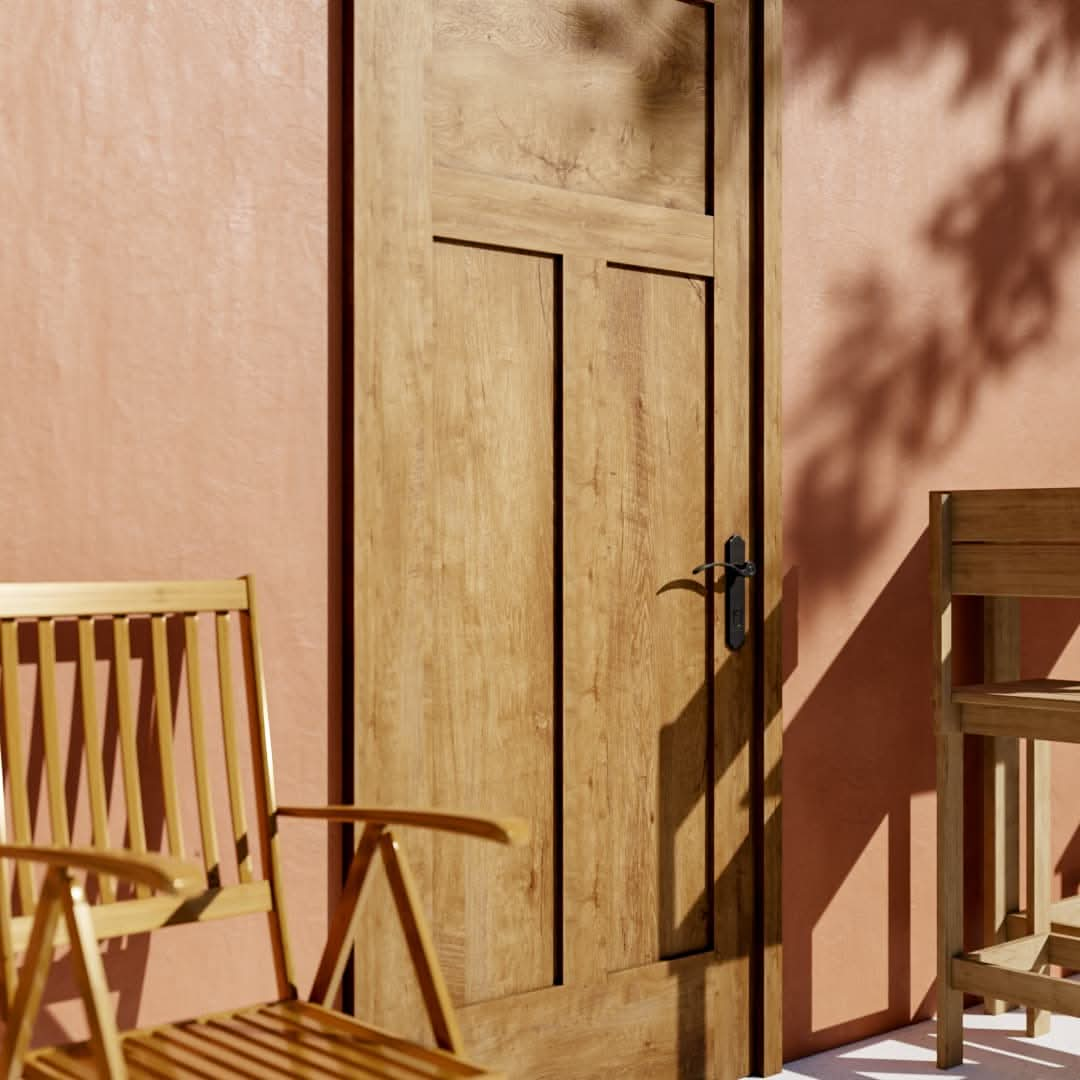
{"x": 553, "y": 427}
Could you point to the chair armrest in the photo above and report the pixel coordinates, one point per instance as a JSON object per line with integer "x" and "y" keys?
{"x": 160, "y": 872}
{"x": 509, "y": 830}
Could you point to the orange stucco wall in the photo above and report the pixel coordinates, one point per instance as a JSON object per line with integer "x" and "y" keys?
{"x": 166, "y": 388}
{"x": 168, "y": 403}
{"x": 932, "y": 340}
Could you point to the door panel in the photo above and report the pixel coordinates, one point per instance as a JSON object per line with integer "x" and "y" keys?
{"x": 636, "y": 632}
{"x": 597, "y": 96}
{"x": 491, "y": 690}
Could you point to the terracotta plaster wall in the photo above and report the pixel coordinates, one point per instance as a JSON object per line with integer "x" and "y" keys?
{"x": 932, "y": 340}
{"x": 166, "y": 384}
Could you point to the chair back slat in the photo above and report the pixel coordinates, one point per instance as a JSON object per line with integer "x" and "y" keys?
{"x": 164, "y": 712}
{"x": 265, "y": 797}
{"x": 232, "y": 757}
{"x": 50, "y": 730}
{"x": 16, "y": 757}
{"x": 207, "y": 830}
{"x": 95, "y": 680}
{"x": 95, "y": 770}
{"x": 129, "y": 749}
{"x": 7, "y": 958}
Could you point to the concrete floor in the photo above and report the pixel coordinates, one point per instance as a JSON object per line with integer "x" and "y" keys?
{"x": 995, "y": 1049}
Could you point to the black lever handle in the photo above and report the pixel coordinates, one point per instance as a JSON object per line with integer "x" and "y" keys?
{"x": 737, "y": 568}
{"x": 740, "y": 569}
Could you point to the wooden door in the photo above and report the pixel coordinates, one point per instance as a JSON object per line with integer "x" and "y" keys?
{"x": 553, "y": 425}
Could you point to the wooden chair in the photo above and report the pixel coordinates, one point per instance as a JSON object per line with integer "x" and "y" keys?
{"x": 141, "y": 889}
{"x": 1002, "y": 545}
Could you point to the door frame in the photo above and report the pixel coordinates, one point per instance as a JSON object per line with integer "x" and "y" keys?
{"x": 379, "y": 238}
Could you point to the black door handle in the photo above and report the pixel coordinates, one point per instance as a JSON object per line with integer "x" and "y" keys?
{"x": 737, "y": 569}
{"x": 743, "y": 569}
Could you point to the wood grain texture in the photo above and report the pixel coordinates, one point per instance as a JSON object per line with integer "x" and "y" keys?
{"x": 1039, "y": 864}
{"x": 490, "y": 673}
{"x": 1015, "y": 723}
{"x": 160, "y": 872}
{"x": 950, "y": 788}
{"x": 163, "y": 714}
{"x": 345, "y": 919}
{"x": 634, "y": 453}
{"x": 35, "y": 968}
{"x": 22, "y": 829}
{"x": 425, "y": 962}
{"x": 128, "y": 739}
{"x": 1035, "y": 516}
{"x": 513, "y": 213}
{"x": 941, "y": 615}
{"x": 654, "y": 863}
{"x": 200, "y": 761}
{"x": 588, "y": 609}
{"x": 1051, "y": 570}
{"x": 736, "y": 739}
{"x": 50, "y": 599}
{"x": 284, "y": 1039}
{"x": 1040, "y": 695}
{"x": 50, "y": 729}
{"x": 1043, "y": 992}
{"x": 1064, "y": 919}
{"x": 147, "y": 912}
{"x": 646, "y": 1022}
{"x": 230, "y": 746}
{"x": 505, "y": 830}
{"x": 265, "y": 794}
{"x": 605, "y": 98}
{"x": 393, "y": 304}
{"x": 90, "y": 977}
{"x": 95, "y": 771}
{"x": 1001, "y": 784}
{"x": 950, "y": 892}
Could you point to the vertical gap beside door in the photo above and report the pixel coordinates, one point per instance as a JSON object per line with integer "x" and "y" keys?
{"x": 710, "y": 611}
{"x": 757, "y": 472}
{"x": 342, "y": 583}
{"x": 558, "y": 937}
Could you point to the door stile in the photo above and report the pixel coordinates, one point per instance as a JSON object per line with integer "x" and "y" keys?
{"x": 733, "y": 430}
{"x": 393, "y": 283}
{"x": 768, "y": 1043}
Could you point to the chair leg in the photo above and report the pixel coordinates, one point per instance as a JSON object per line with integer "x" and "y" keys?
{"x": 31, "y": 985}
{"x": 90, "y": 974}
{"x": 1038, "y": 860}
{"x": 429, "y": 974}
{"x": 344, "y": 922}
{"x": 950, "y": 875}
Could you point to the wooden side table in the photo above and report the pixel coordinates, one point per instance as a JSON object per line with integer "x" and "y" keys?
{"x": 1002, "y": 545}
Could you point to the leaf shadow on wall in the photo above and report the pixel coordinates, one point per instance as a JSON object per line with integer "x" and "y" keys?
{"x": 898, "y": 387}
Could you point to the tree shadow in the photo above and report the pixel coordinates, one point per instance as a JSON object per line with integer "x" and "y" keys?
{"x": 896, "y": 389}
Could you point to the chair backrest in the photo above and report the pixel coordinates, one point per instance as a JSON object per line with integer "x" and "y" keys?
{"x": 112, "y": 739}
{"x": 1023, "y": 542}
